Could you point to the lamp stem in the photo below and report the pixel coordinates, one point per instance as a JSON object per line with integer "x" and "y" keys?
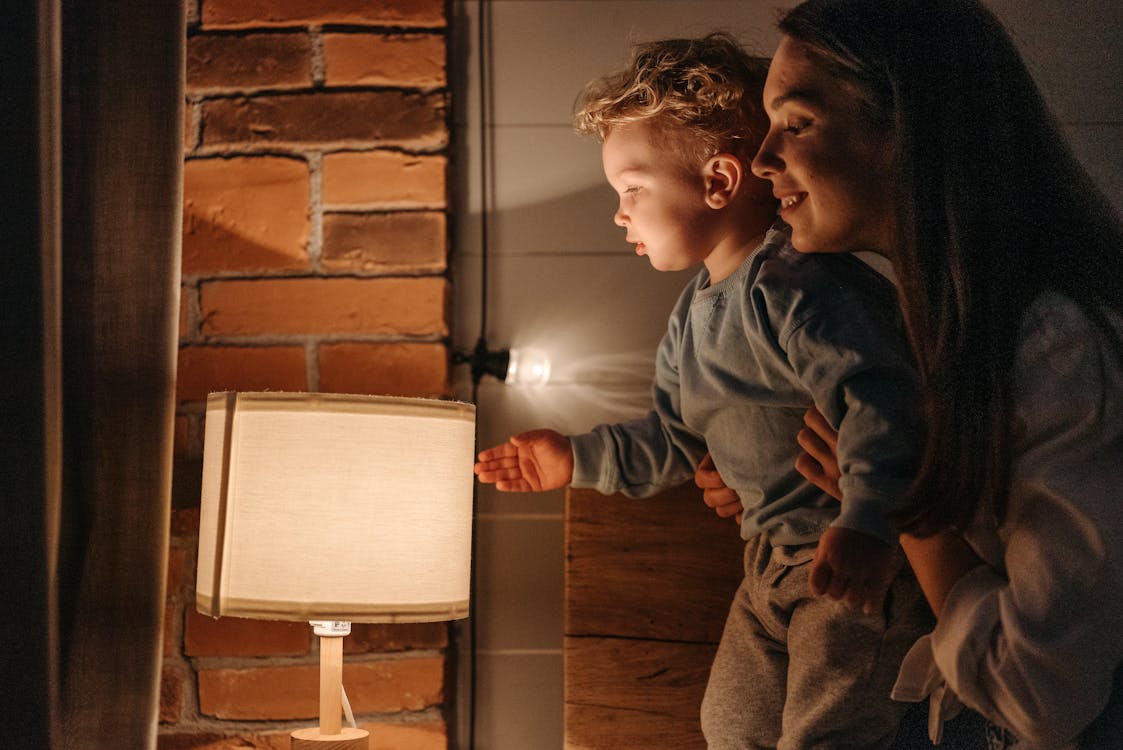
{"x": 331, "y": 735}
{"x": 331, "y": 684}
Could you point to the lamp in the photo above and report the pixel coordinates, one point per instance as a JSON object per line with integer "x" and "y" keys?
{"x": 523, "y": 366}
{"x": 335, "y": 509}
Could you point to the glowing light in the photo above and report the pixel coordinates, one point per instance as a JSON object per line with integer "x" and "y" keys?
{"x": 528, "y": 366}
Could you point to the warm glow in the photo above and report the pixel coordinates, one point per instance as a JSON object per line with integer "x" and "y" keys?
{"x": 528, "y": 366}
{"x": 324, "y": 506}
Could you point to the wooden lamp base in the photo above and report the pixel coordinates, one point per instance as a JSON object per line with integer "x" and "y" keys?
{"x": 330, "y": 735}
{"x": 347, "y": 739}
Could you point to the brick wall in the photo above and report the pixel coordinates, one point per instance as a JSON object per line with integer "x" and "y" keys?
{"x": 314, "y": 258}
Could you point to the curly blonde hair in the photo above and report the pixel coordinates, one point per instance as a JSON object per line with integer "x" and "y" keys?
{"x": 703, "y": 94}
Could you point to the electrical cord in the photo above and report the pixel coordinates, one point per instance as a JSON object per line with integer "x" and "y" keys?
{"x": 482, "y": 52}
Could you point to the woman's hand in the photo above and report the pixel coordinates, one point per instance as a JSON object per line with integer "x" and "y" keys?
{"x": 819, "y": 462}
{"x": 725, "y": 502}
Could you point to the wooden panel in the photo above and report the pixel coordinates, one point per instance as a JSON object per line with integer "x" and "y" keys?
{"x": 663, "y": 567}
{"x": 648, "y": 583}
{"x": 624, "y": 693}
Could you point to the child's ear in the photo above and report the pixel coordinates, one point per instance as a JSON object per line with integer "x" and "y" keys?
{"x": 723, "y": 174}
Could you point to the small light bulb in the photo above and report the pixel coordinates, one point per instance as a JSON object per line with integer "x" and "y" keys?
{"x": 528, "y": 367}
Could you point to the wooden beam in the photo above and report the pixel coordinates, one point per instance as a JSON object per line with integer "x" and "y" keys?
{"x": 648, "y": 584}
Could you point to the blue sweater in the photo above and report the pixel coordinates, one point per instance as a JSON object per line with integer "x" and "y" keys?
{"x": 741, "y": 361}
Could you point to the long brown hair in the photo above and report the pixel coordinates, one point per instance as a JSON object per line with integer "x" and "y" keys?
{"x": 992, "y": 210}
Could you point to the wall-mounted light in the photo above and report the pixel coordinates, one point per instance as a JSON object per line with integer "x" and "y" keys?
{"x": 522, "y": 366}
{"x": 528, "y": 366}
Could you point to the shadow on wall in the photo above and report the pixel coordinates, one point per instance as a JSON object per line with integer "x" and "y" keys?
{"x": 579, "y": 293}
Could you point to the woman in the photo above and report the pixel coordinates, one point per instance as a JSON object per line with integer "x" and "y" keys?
{"x": 1010, "y": 268}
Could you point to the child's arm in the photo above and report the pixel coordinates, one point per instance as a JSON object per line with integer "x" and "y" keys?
{"x": 852, "y": 567}
{"x": 848, "y": 565}
{"x": 938, "y": 561}
{"x": 533, "y": 461}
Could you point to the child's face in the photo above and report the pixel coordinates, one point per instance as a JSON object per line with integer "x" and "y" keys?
{"x": 662, "y": 200}
{"x": 830, "y": 167}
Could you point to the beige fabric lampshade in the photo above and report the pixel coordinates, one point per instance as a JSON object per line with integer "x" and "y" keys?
{"x": 336, "y": 507}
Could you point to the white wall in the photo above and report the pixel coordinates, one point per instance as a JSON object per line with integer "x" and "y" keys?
{"x": 562, "y": 278}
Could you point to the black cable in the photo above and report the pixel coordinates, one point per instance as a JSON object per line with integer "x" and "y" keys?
{"x": 485, "y": 166}
{"x": 482, "y": 51}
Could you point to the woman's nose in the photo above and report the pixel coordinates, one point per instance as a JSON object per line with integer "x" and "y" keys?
{"x": 767, "y": 162}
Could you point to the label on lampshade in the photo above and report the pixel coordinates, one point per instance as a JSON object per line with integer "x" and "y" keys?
{"x": 338, "y": 628}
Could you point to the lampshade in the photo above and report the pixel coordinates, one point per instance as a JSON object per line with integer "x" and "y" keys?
{"x": 335, "y": 507}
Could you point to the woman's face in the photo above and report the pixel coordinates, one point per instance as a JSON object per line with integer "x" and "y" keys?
{"x": 830, "y": 167}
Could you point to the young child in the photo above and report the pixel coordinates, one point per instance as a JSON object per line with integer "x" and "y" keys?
{"x": 760, "y": 335}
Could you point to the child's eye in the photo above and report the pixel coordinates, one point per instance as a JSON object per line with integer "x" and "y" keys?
{"x": 632, "y": 189}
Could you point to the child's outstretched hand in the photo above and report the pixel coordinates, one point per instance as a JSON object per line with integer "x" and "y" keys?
{"x": 853, "y": 567}
{"x": 532, "y": 461}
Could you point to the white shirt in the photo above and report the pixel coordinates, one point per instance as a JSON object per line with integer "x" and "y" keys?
{"x": 1033, "y": 639}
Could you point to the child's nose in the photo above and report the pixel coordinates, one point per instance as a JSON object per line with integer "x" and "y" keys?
{"x": 619, "y": 218}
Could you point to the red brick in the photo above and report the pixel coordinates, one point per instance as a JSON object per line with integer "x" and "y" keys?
{"x": 403, "y": 306}
{"x": 245, "y": 214}
{"x": 385, "y": 243}
{"x": 170, "y": 642}
{"x": 293, "y": 692}
{"x": 181, "y": 436}
{"x": 189, "y": 447}
{"x": 240, "y": 14}
{"x": 176, "y": 580}
{"x": 171, "y": 694}
{"x": 184, "y": 312}
{"x": 223, "y": 61}
{"x": 350, "y": 118}
{"x": 377, "y": 637}
{"x": 206, "y": 369}
{"x": 190, "y": 137}
{"x": 188, "y": 304}
{"x": 177, "y": 569}
{"x": 237, "y": 636}
{"x": 410, "y": 60}
{"x": 398, "y": 369}
{"x": 384, "y": 179}
{"x": 185, "y": 521}
{"x": 187, "y": 467}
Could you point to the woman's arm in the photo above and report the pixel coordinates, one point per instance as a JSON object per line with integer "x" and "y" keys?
{"x": 939, "y": 562}
{"x": 1031, "y": 640}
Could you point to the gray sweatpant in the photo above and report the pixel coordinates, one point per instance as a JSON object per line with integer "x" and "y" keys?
{"x": 795, "y": 671}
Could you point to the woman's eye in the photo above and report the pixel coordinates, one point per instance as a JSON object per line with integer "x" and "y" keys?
{"x": 797, "y": 126}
